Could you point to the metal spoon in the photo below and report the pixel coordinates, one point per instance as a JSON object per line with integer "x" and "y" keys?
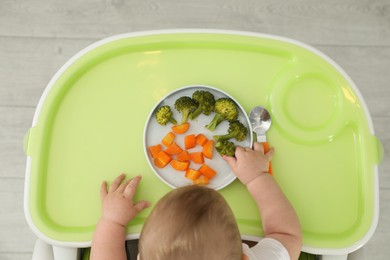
{"x": 260, "y": 122}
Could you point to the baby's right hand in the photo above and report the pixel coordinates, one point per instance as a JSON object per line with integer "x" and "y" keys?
{"x": 117, "y": 203}
{"x": 249, "y": 163}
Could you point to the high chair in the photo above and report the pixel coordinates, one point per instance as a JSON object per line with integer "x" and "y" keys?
{"x": 89, "y": 125}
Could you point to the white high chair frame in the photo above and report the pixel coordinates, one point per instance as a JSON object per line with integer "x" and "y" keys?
{"x": 45, "y": 251}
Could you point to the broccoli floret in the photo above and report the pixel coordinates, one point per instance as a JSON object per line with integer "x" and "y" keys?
{"x": 236, "y": 130}
{"x": 225, "y": 109}
{"x": 225, "y": 147}
{"x": 164, "y": 115}
{"x": 205, "y": 101}
{"x": 185, "y": 105}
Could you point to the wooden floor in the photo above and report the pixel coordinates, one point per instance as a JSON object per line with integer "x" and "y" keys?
{"x": 37, "y": 37}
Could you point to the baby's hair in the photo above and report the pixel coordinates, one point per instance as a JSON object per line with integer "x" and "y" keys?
{"x": 191, "y": 223}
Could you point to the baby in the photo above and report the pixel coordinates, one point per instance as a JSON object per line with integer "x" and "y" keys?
{"x": 195, "y": 222}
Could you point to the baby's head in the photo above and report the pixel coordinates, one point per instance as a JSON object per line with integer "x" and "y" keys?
{"x": 191, "y": 222}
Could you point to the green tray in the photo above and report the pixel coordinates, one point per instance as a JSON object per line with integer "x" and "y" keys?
{"x": 89, "y": 125}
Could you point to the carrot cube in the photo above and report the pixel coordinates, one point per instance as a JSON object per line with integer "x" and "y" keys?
{"x": 197, "y": 157}
{"x": 180, "y": 129}
{"x": 189, "y": 141}
{"x": 180, "y": 166}
{"x": 208, "y": 149}
{"x": 202, "y": 180}
{"x": 154, "y": 150}
{"x": 207, "y": 171}
{"x": 162, "y": 159}
{"x": 173, "y": 149}
{"x": 183, "y": 156}
{"x": 201, "y": 139}
{"x": 192, "y": 174}
{"x": 168, "y": 139}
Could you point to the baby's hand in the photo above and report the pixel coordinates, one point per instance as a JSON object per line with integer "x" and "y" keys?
{"x": 249, "y": 164}
{"x": 117, "y": 202}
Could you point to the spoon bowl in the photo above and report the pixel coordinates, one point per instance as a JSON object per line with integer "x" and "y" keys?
{"x": 260, "y": 122}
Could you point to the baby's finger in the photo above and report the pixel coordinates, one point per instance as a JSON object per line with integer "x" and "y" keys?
{"x": 257, "y": 146}
{"x": 132, "y": 187}
{"x": 103, "y": 190}
{"x": 123, "y": 186}
{"x": 270, "y": 154}
{"x": 240, "y": 151}
{"x": 231, "y": 161}
{"x": 115, "y": 184}
{"x": 141, "y": 205}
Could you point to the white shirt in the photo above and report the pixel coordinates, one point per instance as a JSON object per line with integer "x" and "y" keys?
{"x": 267, "y": 248}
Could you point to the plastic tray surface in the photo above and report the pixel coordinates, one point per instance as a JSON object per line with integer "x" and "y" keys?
{"x": 90, "y": 121}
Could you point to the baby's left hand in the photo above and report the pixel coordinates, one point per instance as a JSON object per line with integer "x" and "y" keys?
{"x": 117, "y": 202}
